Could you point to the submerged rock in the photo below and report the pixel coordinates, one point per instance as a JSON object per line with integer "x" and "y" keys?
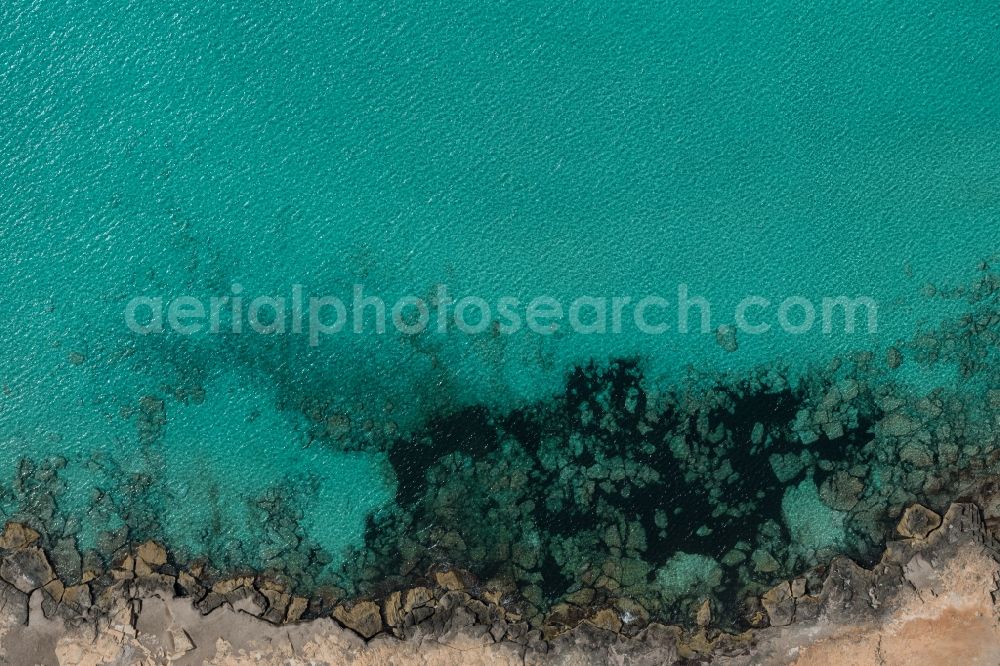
{"x": 725, "y": 337}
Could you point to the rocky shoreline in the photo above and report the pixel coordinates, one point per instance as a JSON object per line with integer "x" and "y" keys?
{"x": 933, "y": 593}
{"x": 624, "y": 492}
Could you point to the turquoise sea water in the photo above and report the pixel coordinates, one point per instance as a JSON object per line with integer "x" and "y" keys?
{"x": 560, "y": 150}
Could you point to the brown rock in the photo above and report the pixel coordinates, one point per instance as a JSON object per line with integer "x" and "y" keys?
{"x": 917, "y": 522}
{"x": 191, "y": 586}
{"x": 450, "y": 580}
{"x": 697, "y": 645}
{"x": 564, "y": 615}
{"x": 363, "y": 618}
{"x": 417, "y": 597}
{"x": 125, "y": 569}
{"x": 606, "y": 618}
{"x": 16, "y": 536}
{"x": 277, "y": 605}
{"x": 77, "y": 596}
{"x": 779, "y": 604}
{"x": 755, "y": 614}
{"x": 394, "y": 609}
{"x": 152, "y": 554}
{"x": 704, "y": 615}
{"x": 492, "y": 596}
{"x": 230, "y": 585}
{"x": 52, "y": 594}
{"x": 296, "y": 608}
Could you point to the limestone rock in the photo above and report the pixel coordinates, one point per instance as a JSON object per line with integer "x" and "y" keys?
{"x": 849, "y": 592}
{"x": 898, "y": 424}
{"x": 27, "y": 569}
{"x": 841, "y": 491}
{"x": 417, "y": 597}
{"x": 917, "y": 522}
{"x": 277, "y": 605}
{"x": 606, "y": 618}
{"x": 394, "y": 609}
{"x": 807, "y": 609}
{"x": 704, "y": 615}
{"x": 364, "y": 618}
{"x": 893, "y": 358}
{"x": 450, "y": 580}
{"x": 296, "y": 609}
{"x": 16, "y": 536}
{"x": 181, "y": 642}
{"x": 247, "y": 600}
{"x": 916, "y": 454}
{"x": 779, "y": 604}
{"x": 77, "y": 597}
{"x": 230, "y": 585}
{"x": 13, "y": 603}
{"x": 920, "y": 573}
{"x": 152, "y": 554}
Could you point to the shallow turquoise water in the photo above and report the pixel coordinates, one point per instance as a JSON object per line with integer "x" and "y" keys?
{"x": 557, "y": 150}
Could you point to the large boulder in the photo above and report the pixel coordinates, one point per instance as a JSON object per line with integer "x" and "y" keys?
{"x": 779, "y": 604}
{"x": 363, "y": 618}
{"x": 152, "y": 554}
{"x": 917, "y": 522}
{"x": 27, "y": 569}
{"x": 16, "y": 536}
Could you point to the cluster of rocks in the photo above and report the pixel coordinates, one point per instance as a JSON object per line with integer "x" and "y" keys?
{"x": 717, "y": 488}
{"x": 851, "y": 593}
{"x": 451, "y": 606}
{"x": 135, "y": 603}
{"x": 620, "y": 496}
{"x": 134, "y": 503}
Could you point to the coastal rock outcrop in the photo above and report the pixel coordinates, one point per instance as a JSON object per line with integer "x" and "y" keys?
{"x": 942, "y": 577}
